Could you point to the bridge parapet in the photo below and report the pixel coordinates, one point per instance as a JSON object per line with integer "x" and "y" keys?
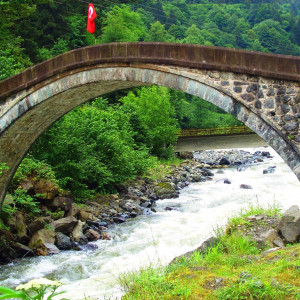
{"x": 261, "y": 90}
{"x": 182, "y": 55}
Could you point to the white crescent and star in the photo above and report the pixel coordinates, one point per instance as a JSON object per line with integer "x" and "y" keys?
{"x": 91, "y": 11}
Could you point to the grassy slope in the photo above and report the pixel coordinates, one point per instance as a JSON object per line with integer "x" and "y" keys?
{"x": 217, "y": 275}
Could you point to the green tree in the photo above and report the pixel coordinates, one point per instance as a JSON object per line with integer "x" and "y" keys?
{"x": 92, "y": 149}
{"x": 274, "y": 38}
{"x": 122, "y": 24}
{"x": 193, "y": 36}
{"x": 153, "y": 119}
{"x": 157, "y": 33}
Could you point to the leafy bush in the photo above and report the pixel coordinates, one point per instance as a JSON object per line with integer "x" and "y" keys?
{"x": 31, "y": 167}
{"x": 25, "y": 202}
{"x": 153, "y": 119}
{"x": 92, "y": 149}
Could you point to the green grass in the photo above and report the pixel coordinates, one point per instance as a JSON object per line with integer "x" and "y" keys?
{"x": 161, "y": 168}
{"x": 241, "y": 218}
{"x": 217, "y": 275}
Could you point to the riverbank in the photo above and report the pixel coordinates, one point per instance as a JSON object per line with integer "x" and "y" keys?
{"x": 159, "y": 237}
{"x": 247, "y": 260}
{"x": 64, "y": 225}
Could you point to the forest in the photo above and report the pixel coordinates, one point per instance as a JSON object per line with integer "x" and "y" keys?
{"x": 112, "y": 139}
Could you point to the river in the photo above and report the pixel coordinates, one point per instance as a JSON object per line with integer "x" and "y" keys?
{"x": 158, "y": 238}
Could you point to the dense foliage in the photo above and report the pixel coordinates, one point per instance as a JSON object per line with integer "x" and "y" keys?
{"x": 34, "y": 30}
{"x": 97, "y": 146}
{"x": 104, "y": 143}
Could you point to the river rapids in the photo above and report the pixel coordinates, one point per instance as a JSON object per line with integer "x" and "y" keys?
{"x": 157, "y": 238}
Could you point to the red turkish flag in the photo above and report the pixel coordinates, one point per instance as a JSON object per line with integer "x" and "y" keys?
{"x": 91, "y": 19}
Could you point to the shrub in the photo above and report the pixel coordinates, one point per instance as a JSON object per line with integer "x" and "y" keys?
{"x": 92, "y": 148}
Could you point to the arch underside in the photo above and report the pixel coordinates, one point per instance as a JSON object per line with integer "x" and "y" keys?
{"x": 30, "y": 113}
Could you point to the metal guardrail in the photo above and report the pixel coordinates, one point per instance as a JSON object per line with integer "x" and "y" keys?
{"x": 214, "y": 131}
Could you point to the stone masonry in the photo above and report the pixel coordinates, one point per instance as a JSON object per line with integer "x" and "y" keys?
{"x": 264, "y": 94}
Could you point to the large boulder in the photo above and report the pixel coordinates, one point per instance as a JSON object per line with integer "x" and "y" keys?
{"x": 92, "y": 235}
{"x": 165, "y": 190}
{"x": 18, "y": 227}
{"x": 64, "y": 225}
{"x": 63, "y": 242}
{"x": 47, "y": 188}
{"x": 62, "y": 203}
{"x": 224, "y": 161}
{"x": 22, "y": 250}
{"x": 38, "y": 224}
{"x": 21, "y": 228}
{"x": 77, "y": 232}
{"x": 41, "y": 242}
{"x": 272, "y": 238}
{"x": 89, "y": 213}
{"x": 74, "y": 210}
{"x": 289, "y": 225}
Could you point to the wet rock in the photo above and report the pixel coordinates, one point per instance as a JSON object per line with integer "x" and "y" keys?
{"x": 144, "y": 199}
{"x": 269, "y": 170}
{"x": 102, "y": 224}
{"x": 83, "y": 240}
{"x": 64, "y": 225}
{"x": 289, "y": 225}
{"x": 225, "y": 181}
{"x": 170, "y": 208}
{"x": 49, "y": 249}
{"x": 133, "y": 215}
{"x": 207, "y": 172}
{"x": 119, "y": 220}
{"x": 63, "y": 242}
{"x": 92, "y": 235}
{"x": 292, "y": 126}
{"x": 105, "y": 236}
{"x": 246, "y": 187}
{"x": 224, "y": 161}
{"x": 241, "y": 168}
{"x": 89, "y": 247}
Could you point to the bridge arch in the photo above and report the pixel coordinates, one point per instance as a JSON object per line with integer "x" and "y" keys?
{"x": 260, "y": 100}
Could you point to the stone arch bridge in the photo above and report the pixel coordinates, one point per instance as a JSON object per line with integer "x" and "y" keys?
{"x": 261, "y": 90}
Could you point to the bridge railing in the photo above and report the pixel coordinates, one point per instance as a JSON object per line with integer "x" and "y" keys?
{"x": 214, "y": 131}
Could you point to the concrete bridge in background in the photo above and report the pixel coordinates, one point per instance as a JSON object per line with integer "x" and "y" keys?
{"x": 261, "y": 90}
